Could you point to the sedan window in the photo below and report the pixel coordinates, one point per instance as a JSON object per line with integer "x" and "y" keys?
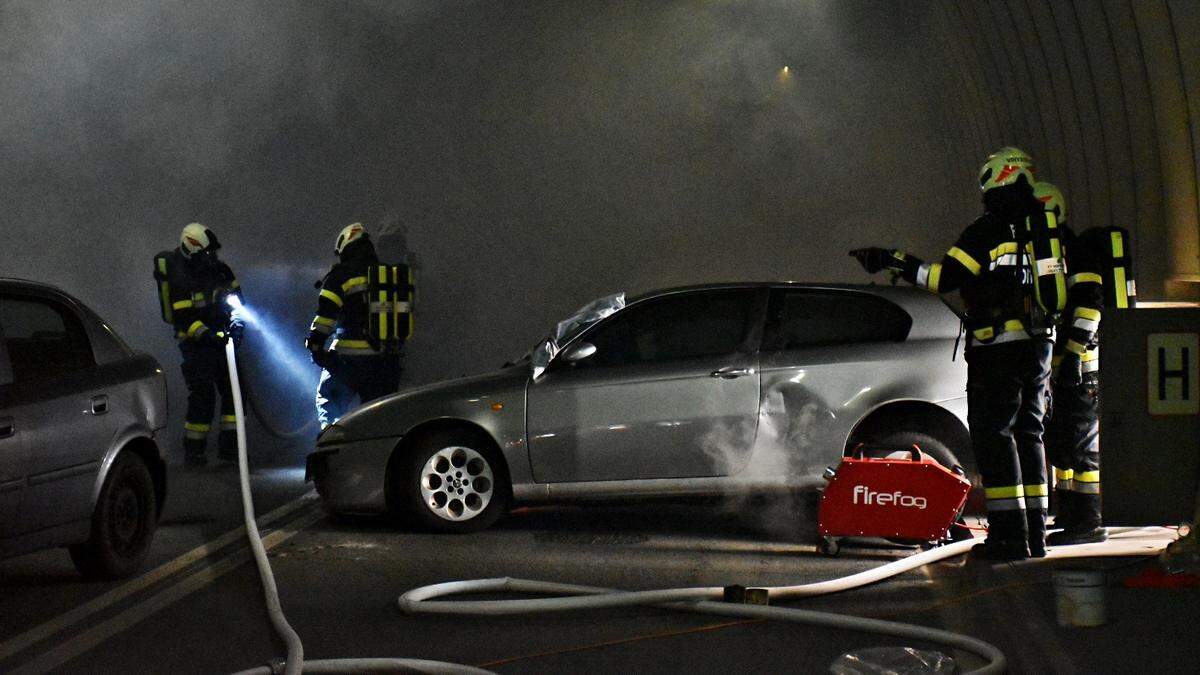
{"x": 44, "y": 339}
{"x": 674, "y": 327}
{"x": 800, "y": 319}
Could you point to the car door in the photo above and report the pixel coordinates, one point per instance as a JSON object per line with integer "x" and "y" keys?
{"x": 826, "y": 356}
{"x": 58, "y": 405}
{"x": 670, "y": 392}
{"x": 12, "y": 455}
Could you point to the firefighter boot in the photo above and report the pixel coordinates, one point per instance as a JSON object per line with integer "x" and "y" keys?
{"x": 227, "y": 446}
{"x": 194, "y": 454}
{"x": 1035, "y": 520}
{"x": 1064, "y": 509}
{"x": 1007, "y": 537}
{"x": 1086, "y": 528}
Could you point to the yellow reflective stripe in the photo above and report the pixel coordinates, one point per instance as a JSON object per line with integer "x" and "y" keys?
{"x": 1118, "y": 245}
{"x": 383, "y": 317}
{"x": 1093, "y": 354}
{"x": 1064, "y": 474}
{"x": 331, "y": 296}
{"x": 964, "y": 258}
{"x": 1085, "y": 278}
{"x": 354, "y": 344}
{"x": 324, "y": 321}
{"x": 935, "y": 276}
{"x": 1075, "y": 347}
{"x": 197, "y": 427}
{"x": 1013, "y": 325}
{"x": 182, "y": 304}
{"x": 235, "y": 284}
{"x": 1037, "y": 490}
{"x": 352, "y": 282}
{"x": 1007, "y": 248}
{"x": 1088, "y": 477}
{"x": 1007, "y": 492}
{"x": 984, "y": 333}
{"x": 1120, "y": 287}
{"x": 196, "y": 328}
{"x": 228, "y": 418}
{"x": 1087, "y": 313}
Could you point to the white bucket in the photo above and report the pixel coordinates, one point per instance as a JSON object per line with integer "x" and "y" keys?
{"x": 1079, "y": 597}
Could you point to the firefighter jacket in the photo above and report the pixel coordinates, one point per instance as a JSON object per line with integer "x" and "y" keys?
{"x": 1077, "y": 331}
{"x": 198, "y": 288}
{"x": 343, "y": 304}
{"x": 986, "y": 264}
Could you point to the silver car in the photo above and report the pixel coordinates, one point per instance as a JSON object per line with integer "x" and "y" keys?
{"x": 80, "y": 421}
{"x": 707, "y": 390}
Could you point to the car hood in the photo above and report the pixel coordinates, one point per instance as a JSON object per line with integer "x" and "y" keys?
{"x": 393, "y": 415}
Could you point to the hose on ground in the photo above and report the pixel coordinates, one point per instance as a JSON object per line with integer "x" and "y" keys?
{"x": 295, "y": 663}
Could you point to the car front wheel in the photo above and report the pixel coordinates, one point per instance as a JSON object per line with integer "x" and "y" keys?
{"x": 453, "y": 483}
{"x": 123, "y": 522}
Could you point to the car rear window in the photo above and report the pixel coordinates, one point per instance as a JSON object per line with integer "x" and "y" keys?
{"x": 674, "y": 327}
{"x": 802, "y": 319}
{"x": 44, "y": 338}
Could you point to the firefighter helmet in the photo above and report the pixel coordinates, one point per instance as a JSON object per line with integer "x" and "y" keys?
{"x": 349, "y": 234}
{"x": 1052, "y": 198}
{"x": 1006, "y": 166}
{"x": 197, "y": 238}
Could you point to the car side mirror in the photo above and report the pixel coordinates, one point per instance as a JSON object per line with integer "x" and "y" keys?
{"x": 579, "y": 351}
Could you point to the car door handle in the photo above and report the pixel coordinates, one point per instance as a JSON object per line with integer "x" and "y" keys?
{"x": 7, "y": 428}
{"x": 731, "y": 373}
{"x": 99, "y": 405}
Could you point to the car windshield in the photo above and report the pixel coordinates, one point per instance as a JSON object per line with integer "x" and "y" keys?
{"x": 570, "y": 328}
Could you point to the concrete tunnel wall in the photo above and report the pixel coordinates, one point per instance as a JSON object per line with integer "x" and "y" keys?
{"x": 1106, "y": 97}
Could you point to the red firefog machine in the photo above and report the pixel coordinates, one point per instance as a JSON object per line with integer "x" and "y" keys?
{"x": 906, "y": 495}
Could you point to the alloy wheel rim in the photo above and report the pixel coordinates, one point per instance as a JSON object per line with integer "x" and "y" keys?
{"x": 457, "y": 483}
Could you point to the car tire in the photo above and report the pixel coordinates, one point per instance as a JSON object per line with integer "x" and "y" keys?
{"x": 123, "y": 522}
{"x": 454, "y": 483}
{"x": 929, "y": 445}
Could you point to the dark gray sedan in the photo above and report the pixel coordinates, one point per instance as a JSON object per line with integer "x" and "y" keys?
{"x": 81, "y": 416}
{"x": 709, "y": 390}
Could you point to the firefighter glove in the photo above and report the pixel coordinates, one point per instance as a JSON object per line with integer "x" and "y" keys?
{"x": 236, "y": 330}
{"x": 874, "y": 259}
{"x": 1070, "y": 371}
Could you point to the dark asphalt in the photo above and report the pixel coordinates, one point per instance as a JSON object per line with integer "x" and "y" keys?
{"x": 339, "y": 581}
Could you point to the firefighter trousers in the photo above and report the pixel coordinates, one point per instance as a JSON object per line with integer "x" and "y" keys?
{"x": 1007, "y": 387}
{"x": 1073, "y": 445}
{"x": 365, "y": 377}
{"x": 207, "y": 375}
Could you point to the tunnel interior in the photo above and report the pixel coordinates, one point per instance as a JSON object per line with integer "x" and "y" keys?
{"x": 535, "y": 158}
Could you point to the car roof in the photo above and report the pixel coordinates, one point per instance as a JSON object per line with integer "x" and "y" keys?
{"x": 932, "y": 315}
{"x": 15, "y": 283}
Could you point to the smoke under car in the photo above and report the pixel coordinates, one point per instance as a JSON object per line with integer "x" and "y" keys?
{"x": 698, "y": 391}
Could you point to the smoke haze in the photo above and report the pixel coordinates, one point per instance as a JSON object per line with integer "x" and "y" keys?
{"x": 538, "y": 154}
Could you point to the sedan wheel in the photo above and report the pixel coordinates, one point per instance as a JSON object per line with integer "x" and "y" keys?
{"x": 457, "y": 483}
{"x": 454, "y": 484}
{"x": 123, "y": 522}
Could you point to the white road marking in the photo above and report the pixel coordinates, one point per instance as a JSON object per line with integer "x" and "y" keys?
{"x": 45, "y": 630}
{"x": 90, "y": 638}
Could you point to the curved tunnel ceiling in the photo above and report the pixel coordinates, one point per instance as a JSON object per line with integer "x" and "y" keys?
{"x": 1106, "y": 97}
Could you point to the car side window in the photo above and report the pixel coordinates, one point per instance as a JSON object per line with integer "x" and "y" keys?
{"x": 674, "y": 327}
{"x": 43, "y": 338}
{"x": 803, "y": 319}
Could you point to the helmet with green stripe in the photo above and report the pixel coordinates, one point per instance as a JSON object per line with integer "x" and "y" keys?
{"x": 1006, "y": 166}
{"x": 1052, "y": 198}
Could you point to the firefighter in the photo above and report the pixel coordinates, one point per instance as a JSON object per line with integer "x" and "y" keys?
{"x": 1073, "y": 431}
{"x": 1008, "y": 349}
{"x": 196, "y": 284}
{"x": 357, "y": 363}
